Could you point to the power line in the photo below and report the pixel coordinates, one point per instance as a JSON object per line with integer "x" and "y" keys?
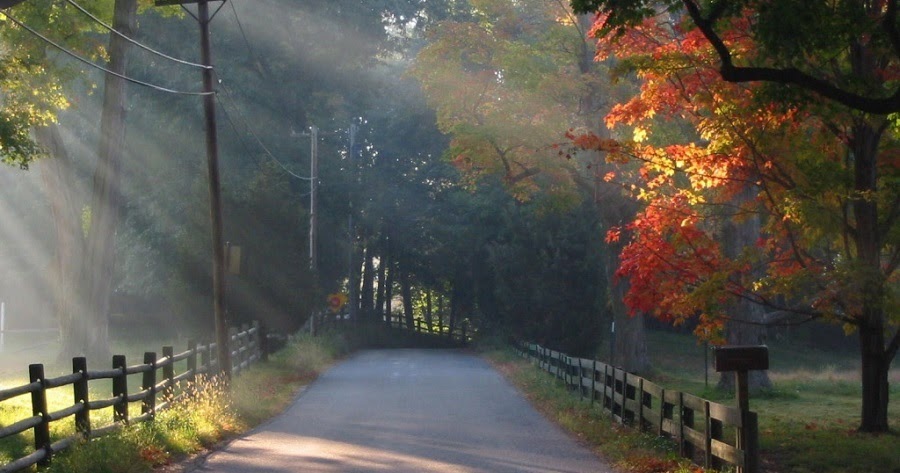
{"x": 256, "y": 137}
{"x": 244, "y": 35}
{"x": 95, "y": 66}
{"x": 132, "y": 41}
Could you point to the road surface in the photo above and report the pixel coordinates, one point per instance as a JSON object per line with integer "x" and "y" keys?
{"x": 407, "y": 411}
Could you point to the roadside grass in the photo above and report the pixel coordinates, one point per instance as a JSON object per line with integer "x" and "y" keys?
{"x": 626, "y": 449}
{"x": 212, "y": 413}
{"x": 808, "y": 420}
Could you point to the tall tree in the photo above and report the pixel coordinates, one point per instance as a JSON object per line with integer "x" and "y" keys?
{"x": 507, "y": 83}
{"x": 830, "y": 241}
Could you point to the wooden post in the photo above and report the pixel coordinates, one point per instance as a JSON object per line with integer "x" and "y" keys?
{"x": 120, "y": 390}
{"x": 192, "y": 361}
{"x": 39, "y": 408}
{"x": 169, "y": 371}
{"x": 80, "y": 391}
{"x": 149, "y": 385}
{"x": 742, "y": 359}
{"x": 205, "y": 361}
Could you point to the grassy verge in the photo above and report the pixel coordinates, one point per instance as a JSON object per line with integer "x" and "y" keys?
{"x": 808, "y": 419}
{"x": 212, "y": 414}
{"x": 628, "y": 450}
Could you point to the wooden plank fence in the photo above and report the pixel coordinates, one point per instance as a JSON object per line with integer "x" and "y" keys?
{"x": 708, "y": 433}
{"x": 460, "y": 333}
{"x": 159, "y": 383}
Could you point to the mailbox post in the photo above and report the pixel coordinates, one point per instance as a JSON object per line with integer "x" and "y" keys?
{"x": 740, "y": 360}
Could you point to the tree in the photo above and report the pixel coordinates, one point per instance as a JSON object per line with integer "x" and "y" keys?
{"x": 830, "y": 198}
{"x": 506, "y": 84}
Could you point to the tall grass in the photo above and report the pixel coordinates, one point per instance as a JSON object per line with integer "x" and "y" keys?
{"x": 212, "y": 411}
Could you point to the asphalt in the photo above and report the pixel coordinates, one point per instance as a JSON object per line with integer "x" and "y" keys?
{"x": 407, "y": 411}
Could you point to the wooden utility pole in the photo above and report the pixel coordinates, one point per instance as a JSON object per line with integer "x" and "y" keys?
{"x": 223, "y": 351}
{"x": 313, "y": 189}
{"x": 353, "y": 272}
{"x": 313, "y": 216}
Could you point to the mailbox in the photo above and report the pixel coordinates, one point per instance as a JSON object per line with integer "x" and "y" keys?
{"x": 742, "y": 358}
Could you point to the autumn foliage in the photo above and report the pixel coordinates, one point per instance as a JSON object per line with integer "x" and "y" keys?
{"x": 707, "y": 157}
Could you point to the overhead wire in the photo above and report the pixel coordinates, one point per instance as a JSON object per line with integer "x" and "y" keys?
{"x": 133, "y": 41}
{"x": 95, "y": 66}
{"x": 256, "y": 137}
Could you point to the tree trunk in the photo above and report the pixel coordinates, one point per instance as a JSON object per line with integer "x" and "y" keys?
{"x": 875, "y": 385}
{"x": 380, "y": 294}
{"x": 389, "y": 291}
{"x": 406, "y": 292}
{"x": 875, "y": 361}
{"x": 56, "y": 177}
{"x": 428, "y": 307}
{"x": 630, "y": 336}
{"x": 630, "y": 339}
{"x": 100, "y": 255}
{"x": 747, "y": 318}
{"x": 367, "y": 308}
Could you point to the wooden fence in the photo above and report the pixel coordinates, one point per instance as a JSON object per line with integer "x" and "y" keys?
{"x": 156, "y": 392}
{"x": 460, "y": 333}
{"x": 710, "y": 434}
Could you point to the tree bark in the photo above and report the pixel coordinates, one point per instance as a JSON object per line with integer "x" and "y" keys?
{"x": 630, "y": 339}
{"x": 100, "y": 252}
{"x": 367, "y": 296}
{"x": 747, "y": 318}
{"x": 875, "y": 361}
{"x": 406, "y": 292}
{"x": 56, "y": 177}
{"x": 380, "y": 294}
{"x": 389, "y": 291}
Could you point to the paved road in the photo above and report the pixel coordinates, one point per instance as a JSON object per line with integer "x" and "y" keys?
{"x": 407, "y": 411}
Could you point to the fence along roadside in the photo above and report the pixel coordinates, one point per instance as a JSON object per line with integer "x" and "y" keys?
{"x": 706, "y": 432}
{"x": 248, "y": 347}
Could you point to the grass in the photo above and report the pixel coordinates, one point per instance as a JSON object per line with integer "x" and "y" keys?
{"x": 213, "y": 412}
{"x": 808, "y": 420}
{"x": 626, "y": 449}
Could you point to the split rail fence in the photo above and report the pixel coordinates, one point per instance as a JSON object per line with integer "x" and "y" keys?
{"x": 459, "y": 333}
{"x": 157, "y": 391}
{"x": 708, "y": 433}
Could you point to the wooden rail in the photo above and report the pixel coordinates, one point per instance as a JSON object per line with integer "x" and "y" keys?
{"x": 157, "y": 392}
{"x": 707, "y": 433}
{"x": 460, "y": 333}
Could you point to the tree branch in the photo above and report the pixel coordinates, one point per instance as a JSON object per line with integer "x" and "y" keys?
{"x": 790, "y": 75}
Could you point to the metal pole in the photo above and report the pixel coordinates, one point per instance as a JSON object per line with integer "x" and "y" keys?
{"x": 215, "y": 195}
{"x": 2, "y": 325}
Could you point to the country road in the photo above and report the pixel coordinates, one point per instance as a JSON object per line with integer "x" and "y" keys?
{"x": 407, "y": 411}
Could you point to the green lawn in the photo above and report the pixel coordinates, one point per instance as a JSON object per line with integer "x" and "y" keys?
{"x": 808, "y": 419}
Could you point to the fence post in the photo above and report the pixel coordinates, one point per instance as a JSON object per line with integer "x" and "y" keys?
{"x": 120, "y": 390}
{"x": 205, "y": 361}
{"x": 169, "y": 371}
{"x": 149, "y": 385}
{"x": 749, "y": 442}
{"x": 235, "y": 344}
{"x": 39, "y": 408}
{"x": 593, "y": 381}
{"x": 263, "y": 343}
{"x": 80, "y": 390}
{"x": 192, "y": 361}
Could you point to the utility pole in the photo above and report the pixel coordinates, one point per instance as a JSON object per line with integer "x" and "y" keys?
{"x": 313, "y": 198}
{"x": 313, "y": 215}
{"x": 223, "y": 350}
{"x": 353, "y": 272}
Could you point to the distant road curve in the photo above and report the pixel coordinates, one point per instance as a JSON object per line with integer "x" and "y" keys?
{"x": 407, "y": 411}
